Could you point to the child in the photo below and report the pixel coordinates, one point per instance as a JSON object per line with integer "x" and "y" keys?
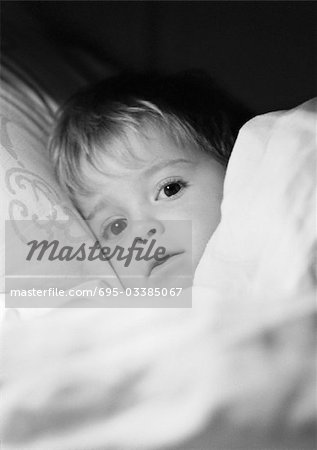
{"x": 142, "y": 157}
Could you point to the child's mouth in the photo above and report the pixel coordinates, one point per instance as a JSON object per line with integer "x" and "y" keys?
{"x": 163, "y": 261}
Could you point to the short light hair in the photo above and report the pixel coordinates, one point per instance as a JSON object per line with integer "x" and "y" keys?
{"x": 186, "y": 107}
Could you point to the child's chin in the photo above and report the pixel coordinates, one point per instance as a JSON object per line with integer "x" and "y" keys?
{"x": 176, "y": 272}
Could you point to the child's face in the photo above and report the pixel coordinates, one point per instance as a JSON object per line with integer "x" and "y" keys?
{"x": 154, "y": 194}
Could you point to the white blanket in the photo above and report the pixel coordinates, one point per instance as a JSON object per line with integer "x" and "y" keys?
{"x": 236, "y": 371}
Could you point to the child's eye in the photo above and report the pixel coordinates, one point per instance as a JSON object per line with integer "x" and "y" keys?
{"x": 171, "y": 189}
{"x": 114, "y": 228}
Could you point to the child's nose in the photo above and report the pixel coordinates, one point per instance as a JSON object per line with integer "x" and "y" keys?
{"x": 145, "y": 229}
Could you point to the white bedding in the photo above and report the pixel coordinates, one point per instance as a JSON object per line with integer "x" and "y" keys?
{"x": 236, "y": 371}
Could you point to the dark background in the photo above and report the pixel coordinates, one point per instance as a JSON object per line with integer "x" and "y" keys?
{"x": 264, "y": 53}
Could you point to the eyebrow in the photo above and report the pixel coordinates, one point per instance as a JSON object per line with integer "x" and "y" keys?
{"x": 154, "y": 168}
{"x": 100, "y": 205}
{"x": 168, "y": 162}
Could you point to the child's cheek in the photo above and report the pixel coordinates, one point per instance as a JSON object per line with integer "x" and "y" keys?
{"x": 203, "y": 227}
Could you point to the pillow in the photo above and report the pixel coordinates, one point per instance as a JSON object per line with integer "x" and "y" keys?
{"x": 37, "y": 75}
{"x": 34, "y": 205}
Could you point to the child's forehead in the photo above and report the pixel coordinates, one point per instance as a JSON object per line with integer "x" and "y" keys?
{"x": 136, "y": 149}
{"x": 140, "y": 156}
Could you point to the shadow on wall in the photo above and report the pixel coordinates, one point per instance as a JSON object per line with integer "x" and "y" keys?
{"x": 264, "y": 53}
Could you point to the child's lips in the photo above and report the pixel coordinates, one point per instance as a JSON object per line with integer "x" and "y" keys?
{"x": 166, "y": 260}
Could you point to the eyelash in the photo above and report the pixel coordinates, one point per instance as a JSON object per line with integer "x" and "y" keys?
{"x": 184, "y": 184}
